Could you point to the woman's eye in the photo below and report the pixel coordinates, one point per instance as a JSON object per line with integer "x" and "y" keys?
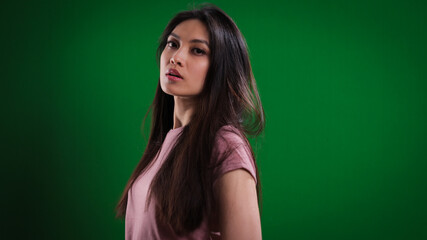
{"x": 171, "y": 44}
{"x": 198, "y": 51}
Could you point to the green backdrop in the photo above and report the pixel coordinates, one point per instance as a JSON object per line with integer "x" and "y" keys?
{"x": 342, "y": 82}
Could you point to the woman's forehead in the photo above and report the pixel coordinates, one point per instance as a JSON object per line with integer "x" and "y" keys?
{"x": 189, "y": 30}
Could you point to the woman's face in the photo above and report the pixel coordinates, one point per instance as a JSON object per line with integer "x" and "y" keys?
{"x": 185, "y": 60}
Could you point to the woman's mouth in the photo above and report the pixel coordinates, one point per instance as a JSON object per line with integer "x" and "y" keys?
{"x": 173, "y": 75}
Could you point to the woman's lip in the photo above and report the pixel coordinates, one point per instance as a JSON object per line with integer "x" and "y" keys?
{"x": 174, "y": 72}
{"x": 173, "y": 78}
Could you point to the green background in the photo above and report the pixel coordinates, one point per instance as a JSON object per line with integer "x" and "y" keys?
{"x": 342, "y": 82}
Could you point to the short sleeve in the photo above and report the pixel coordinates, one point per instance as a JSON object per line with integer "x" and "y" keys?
{"x": 231, "y": 152}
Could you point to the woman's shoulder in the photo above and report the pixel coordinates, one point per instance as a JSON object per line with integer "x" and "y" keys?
{"x": 229, "y": 138}
{"x": 233, "y": 151}
{"x": 230, "y": 134}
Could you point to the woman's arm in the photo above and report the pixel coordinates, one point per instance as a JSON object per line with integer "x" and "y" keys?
{"x": 238, "y": 206}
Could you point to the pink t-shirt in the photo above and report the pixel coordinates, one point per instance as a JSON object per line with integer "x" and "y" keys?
{"x": 141, "y": 223}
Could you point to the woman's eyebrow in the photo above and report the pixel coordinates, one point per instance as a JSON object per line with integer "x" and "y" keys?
{"x": 192, "y": 41}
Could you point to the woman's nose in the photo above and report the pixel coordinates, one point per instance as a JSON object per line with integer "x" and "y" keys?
{"x": 177, "y": 59}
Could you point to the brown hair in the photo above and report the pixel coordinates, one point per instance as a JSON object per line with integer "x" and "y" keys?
{"x": 183, "y": 185}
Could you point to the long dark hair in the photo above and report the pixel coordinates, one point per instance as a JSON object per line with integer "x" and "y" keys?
{"x": 183, "y": 185}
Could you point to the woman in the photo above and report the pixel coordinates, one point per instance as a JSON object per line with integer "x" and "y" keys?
{"x": 197, "y": 178}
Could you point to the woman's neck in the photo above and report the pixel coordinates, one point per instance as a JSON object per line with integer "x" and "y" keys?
{"x": 183, "y": 111}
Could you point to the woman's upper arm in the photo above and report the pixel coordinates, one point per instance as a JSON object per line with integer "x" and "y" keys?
{"x": 238, "y": 206}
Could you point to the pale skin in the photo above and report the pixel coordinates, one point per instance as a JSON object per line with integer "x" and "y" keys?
{"x": 188, "y": 52}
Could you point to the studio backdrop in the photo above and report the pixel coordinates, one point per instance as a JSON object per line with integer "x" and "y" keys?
{"x": 343, "y": 84}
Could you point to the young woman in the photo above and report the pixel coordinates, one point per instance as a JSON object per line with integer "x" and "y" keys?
{"x": 198, "y": 178}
